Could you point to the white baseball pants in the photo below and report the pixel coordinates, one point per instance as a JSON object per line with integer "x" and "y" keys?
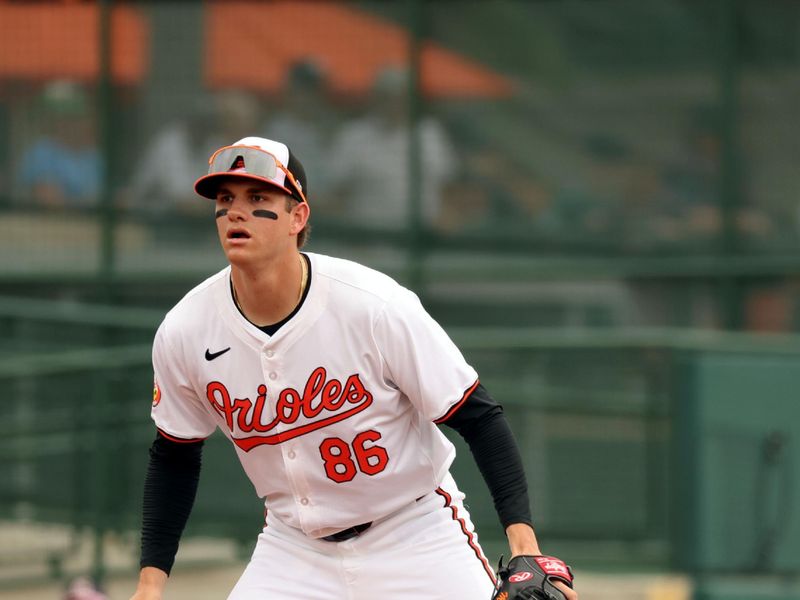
{"x": 426, "y": 551}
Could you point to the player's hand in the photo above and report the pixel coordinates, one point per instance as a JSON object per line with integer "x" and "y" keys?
{"x": 534, "y": 577}
{"x": 569, "y": 593}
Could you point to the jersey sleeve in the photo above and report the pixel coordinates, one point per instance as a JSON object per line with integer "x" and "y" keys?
{"x": 177, "y": 410}
{"x": 420, "y": 359}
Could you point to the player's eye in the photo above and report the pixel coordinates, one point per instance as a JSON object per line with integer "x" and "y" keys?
{"x": 257, "y": 198}
{"x": 224, "y": 198}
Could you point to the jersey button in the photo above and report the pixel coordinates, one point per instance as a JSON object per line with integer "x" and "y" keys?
{"x": 270, "y": 353}
{"x": 304, "y": 501}
{"x": 292, "y": 454}
{"x": 273, "y": 375}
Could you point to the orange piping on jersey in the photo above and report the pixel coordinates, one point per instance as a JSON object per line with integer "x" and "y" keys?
{"x": 470, "y": 538}
{"x": 458, "y": 404}
{"x": 179, "y": 440}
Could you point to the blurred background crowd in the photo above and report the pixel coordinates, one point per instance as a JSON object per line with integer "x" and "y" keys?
{"x": 618, "y": 168}
{"x": 619, "y": 131}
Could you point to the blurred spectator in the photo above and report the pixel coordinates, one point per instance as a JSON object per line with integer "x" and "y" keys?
{"x": 692, "y": 186}
{"x": 370, "y": 160}
{"x": 176, "y": 157}
{"x": 62, "y": 167}
{"x": 82, "y": 588}
{"x": 592, "y": 207}
{"x": 492, "y": 191}
{"x": 238, "y": 114}
{"x": 305, "y": 120}
{"x": 692, "y": 189}
{"x": 173, "y": 161}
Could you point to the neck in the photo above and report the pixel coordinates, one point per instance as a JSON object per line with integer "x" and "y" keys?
{"x": 270, "y": 293}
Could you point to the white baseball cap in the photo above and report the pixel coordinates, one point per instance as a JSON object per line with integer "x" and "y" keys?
{"x": 255, "y": 158}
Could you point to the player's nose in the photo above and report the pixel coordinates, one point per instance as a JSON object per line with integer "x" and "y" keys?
{"x": 236, "y": 211}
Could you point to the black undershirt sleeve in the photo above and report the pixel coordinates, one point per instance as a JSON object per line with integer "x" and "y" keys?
{"x": 170, "y": 487}
{"x": 482, "y": 424}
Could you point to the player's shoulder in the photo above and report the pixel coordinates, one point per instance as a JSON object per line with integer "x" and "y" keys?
{"x": 355, "y": 277}
{"x": 191, "y": 310}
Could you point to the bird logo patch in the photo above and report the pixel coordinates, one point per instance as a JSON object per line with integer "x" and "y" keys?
{"x": 156, "y": 393}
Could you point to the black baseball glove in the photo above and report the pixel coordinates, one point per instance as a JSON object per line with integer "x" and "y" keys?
{"x": 531, "y": 578}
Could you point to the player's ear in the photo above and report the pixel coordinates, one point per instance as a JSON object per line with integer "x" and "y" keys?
{"x": 299, "y": 217}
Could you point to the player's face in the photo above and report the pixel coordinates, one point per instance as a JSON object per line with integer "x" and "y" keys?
{"x": 253, "y": 223}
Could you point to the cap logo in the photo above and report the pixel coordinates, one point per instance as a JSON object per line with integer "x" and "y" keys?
{"x": 237, "y": 164}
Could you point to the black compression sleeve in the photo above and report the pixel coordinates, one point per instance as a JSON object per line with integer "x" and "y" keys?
{"x": 482, "y": 424}
{"x": 169, "y": 491}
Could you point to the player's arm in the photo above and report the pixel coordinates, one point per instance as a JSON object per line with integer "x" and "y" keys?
{"x": 170, "y": 487}
{"x": 482, "y": 424}
{"x": 151, "y": 584}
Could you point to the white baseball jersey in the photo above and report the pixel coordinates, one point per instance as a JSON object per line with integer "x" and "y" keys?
{"x": 332, "y": 416}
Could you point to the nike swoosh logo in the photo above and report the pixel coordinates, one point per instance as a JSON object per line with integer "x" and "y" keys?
{"x": 213, "y": 355}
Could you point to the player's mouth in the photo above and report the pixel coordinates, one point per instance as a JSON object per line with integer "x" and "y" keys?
{"x": 237, "y": 235}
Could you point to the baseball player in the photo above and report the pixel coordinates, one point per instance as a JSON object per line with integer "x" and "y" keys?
{"x": 330, "y": 380}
